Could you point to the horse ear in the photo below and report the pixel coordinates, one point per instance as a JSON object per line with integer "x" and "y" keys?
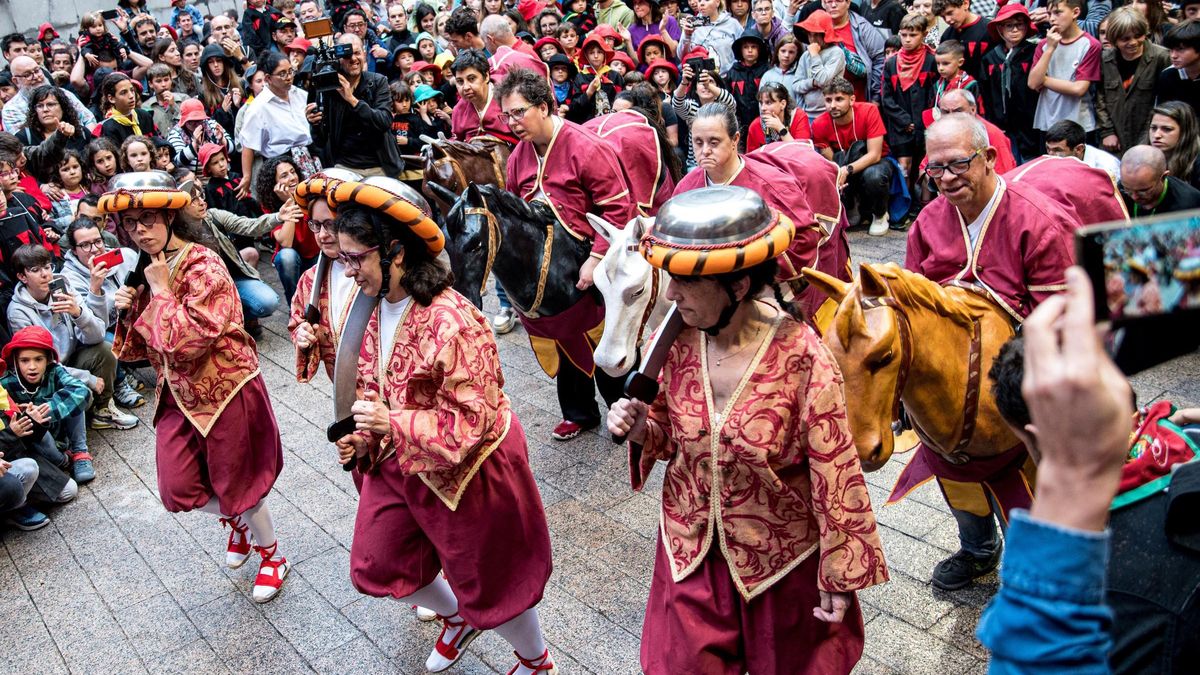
{"x": 831, "y": 285}
{"x": 474, "y": 197}
{"x": 639, "y": 226}
{"x": 849, "y": 320}
{"x": 441, "y": 192}
{"x": 602, "y": 227}
{"x": 872, "y": 282}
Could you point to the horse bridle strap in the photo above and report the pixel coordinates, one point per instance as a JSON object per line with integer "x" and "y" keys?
{"x": 495, "y": 239}
{"x": 649, "y": 306}
{"x": 970, "y": 411}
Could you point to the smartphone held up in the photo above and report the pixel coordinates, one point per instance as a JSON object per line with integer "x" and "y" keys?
{"x": 1146, "y": 282}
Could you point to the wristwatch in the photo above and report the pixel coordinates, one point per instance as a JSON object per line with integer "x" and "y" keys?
{"x": 849, "y": 169}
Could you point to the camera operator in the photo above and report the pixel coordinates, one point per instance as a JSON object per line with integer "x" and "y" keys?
{"x": 354, "y": 130}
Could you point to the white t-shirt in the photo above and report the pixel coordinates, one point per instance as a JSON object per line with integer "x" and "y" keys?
{"x": 389, "y": 320}
{"x": 976, "y": 226}
{"x": 341, "y": 291}
{"x": 1099, "y": 159}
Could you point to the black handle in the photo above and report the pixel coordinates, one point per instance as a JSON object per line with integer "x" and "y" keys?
{"x": 642, "y": 387}
{"x": 312, "y": 315}
{"x": 337, "y": 430}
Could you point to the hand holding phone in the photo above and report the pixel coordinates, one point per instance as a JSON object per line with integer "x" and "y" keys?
{"x": 111, "y": 259}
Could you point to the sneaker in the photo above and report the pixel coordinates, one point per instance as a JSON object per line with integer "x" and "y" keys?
{"x": 81, "y": 467}
{"x": 566, "y": 430}
{"x": 133, "y": 382}
{"x": 451, "y": 644}
{"x": 26, "y": 518}
{"x": 254, "y": 328}
{"x": 879, "y": 226}
{"x": 238, "y": 548}
{"x": 109, "y": 417}
{"x": 962, "y": 568}
{"x": 504, "y": 321}
{"x": 127, "y": 397}
{"x": 271, "y": 573}
{"x": 425, "y": 614}
{"x": 542, "y": 664}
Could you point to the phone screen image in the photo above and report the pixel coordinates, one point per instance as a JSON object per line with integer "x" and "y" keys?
{"x": 1145, "y": 268}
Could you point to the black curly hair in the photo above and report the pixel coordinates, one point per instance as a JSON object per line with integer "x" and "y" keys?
{"x": 264, "y": 185}
{"x": 424, "y": 277}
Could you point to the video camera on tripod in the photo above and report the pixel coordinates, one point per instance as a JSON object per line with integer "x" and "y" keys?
{"x": 323, "y": 75}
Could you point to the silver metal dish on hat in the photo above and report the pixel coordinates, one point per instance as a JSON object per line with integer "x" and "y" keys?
{"x": 721, "y": 214}
{"x": 142, "y": 180}
{"x": 400, "y": 190}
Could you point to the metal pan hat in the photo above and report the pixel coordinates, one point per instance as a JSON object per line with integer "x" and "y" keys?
{"x": 715, "y": 230}
{"x": 143, "y": 190}
{"x": 380, "y": 193}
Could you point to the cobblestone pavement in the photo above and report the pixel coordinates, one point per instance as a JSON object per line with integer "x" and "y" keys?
{"x": 116, "y": 584}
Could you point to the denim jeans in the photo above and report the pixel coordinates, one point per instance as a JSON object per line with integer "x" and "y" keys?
{"x": 290, "y": 265}
{"x": 502, "y": 297}
{"x": 75, "y": 429}
{"x": 977, "y": 534}
{"x": 258, "y": 299}
{"x": 16, "y": 483}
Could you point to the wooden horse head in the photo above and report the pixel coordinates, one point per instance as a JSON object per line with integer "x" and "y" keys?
{"x": 456, "y": 164}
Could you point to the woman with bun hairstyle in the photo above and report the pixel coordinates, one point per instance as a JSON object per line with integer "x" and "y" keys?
{"x": 217, "y": 441}
{"x": 446, "y": 481}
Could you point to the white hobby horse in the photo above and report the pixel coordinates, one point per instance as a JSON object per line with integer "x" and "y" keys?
{"x": 634, "y": 294}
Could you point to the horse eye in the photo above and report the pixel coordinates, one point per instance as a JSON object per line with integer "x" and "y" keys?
{"x": 638, "y": 292}
{"x": 881, "y": 362}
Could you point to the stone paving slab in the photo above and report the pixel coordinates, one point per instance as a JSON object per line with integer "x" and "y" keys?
{"x": 116, "y": 584}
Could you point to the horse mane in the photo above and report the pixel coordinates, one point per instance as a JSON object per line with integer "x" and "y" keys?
{"x": 458, "y": 148}
{"x": 911, "y": 288}
{"x": 534, "y": 212}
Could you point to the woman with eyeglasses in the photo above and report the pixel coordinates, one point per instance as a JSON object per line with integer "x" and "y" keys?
{"x": 449, "y": 515}
{"x": 218, "y": 447}
{"x": 277, "y": 122}
{"x": 51, "y": 128}
{"x": 296, "y": 248}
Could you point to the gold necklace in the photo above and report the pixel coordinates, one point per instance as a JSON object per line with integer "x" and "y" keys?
{"x": 748, "y": 345}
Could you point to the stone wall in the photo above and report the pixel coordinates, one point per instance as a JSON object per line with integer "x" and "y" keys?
{"x": 26, "y": 15}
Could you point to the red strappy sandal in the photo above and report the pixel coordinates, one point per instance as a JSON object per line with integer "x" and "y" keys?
{"x": 446, "y": 654}
{"x": 238, "y": 548}
{"x": 542, "y": 664}
{"x": 271, "y": 573}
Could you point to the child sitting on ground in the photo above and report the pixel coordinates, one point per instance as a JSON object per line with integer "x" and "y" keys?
{"x": 52, "y": 404}
{"x": 221, "y": 186}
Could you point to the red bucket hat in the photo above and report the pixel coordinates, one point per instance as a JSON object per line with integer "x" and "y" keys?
{"x": 662, "y": 63}
{"x": 46, "y": 28}
{"x": 207, "y": 152}
{"x": 1007, "y": 12}
{"x": 651, "y": 40}
{"x": 821, "y": 23}
{"x": 594, "y": 39}
{"x": 630, "y": 66}
{"x": 537, "y": 46}
{"x": 30, "y": 337}
{"x": 419, "y": 66}
{"x": 191, "y": 110}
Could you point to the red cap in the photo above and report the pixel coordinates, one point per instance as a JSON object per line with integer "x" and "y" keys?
{"x": 662, "y": 63}
{"x": 191, "y": 110}
{"x": 529, "y": 9}
{"x": 594, "y": 39}
{"x": 630, "y": 66}
{"x": 1007, "y": 12}
{"x": 299, "y": 44}
{"x": 30, "y": 337}
{"x": 821, "y": 23}
{"x": 537, "y": 46}
{"x": 46, "y": 28}
{"x": 606, "y": 31}
{"x": 207, "y": 152}
{"x": 419, "y": 66}
{"x": 696, "y": 52}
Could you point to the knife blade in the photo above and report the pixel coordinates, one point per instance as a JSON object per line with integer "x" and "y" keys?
{"x": 312, "y": 313}
{"x": 345, "y": 368}
{"x": 642, "y": 383}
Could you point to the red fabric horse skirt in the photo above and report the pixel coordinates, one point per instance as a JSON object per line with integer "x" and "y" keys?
{"x": 702, "y": 624}
{"x": 494, "y": 549}
{"x": 238, "y": 461}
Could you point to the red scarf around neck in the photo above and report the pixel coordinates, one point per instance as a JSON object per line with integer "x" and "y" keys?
{"x": 908, "y": 65}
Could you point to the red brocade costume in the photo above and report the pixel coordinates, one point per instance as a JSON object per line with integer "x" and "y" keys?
{"x": 465, "y": 122}
{"x": 449, "y": 488}
{"x": 216, "y": 430}
{"x": 637, "y": 146}
{"x": 1019, "y": 258}
{"x": 328, "y": 330}
{"x": 762, "y": 506}
{"x": 1089, "y": 195}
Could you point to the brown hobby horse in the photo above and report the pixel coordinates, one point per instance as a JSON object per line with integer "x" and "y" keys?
{"x": 456, "y": 164}
{"x": 898, "y": 336}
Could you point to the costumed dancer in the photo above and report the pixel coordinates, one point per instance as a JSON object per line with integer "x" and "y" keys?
{"x": 575, "y": 173}
{"x": 317, "y": 343}
{"x": 766, "y": 528}
{"x": 803, "y": 189}
{"x": 446, "y": 479}
{"x": 218, "y": 447}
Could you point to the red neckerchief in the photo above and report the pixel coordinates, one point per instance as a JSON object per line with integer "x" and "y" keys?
{"x": 908, "y": 65}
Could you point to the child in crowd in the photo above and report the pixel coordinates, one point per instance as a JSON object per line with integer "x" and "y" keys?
{"x": 427, "y": 49}
{"x": 71, "y": 180}
{"x": 402, "y": 61}
{"x": 652, "y": 48}
{"x": 579, "y": 15}
{"x": 432, "y": 118}
{"x": 562, "y": 81}
{"x": 24, "y": 219}
{"x": 163, "y": 105}
{"x": 599, "y": 82}
{"x": 50, "y": 402}
{"x": 1006, "y": 66}
{"x": 119, "y": 97}
{"x": 100, "y": 160}
{"x": 754, "y": 60}
{"x": 968, "y": 29}
{"x": 891, "y": 46}
{"x": 1065, "y": 65}
{"x": 547, "y": 47}
{"x": 137, "y": 154}
{"x": 568, "y": 37}
{"x": 164, "y": 155}
{"x": 97, "y": 47}
{"x": 909, "y": 84}
{"x": 950, "y": 60}
{"x": 821, "y": 61}
{"x": 622, "y": 64}
{"x": 221, "y": 185}
{"x": 403, "y": 123}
